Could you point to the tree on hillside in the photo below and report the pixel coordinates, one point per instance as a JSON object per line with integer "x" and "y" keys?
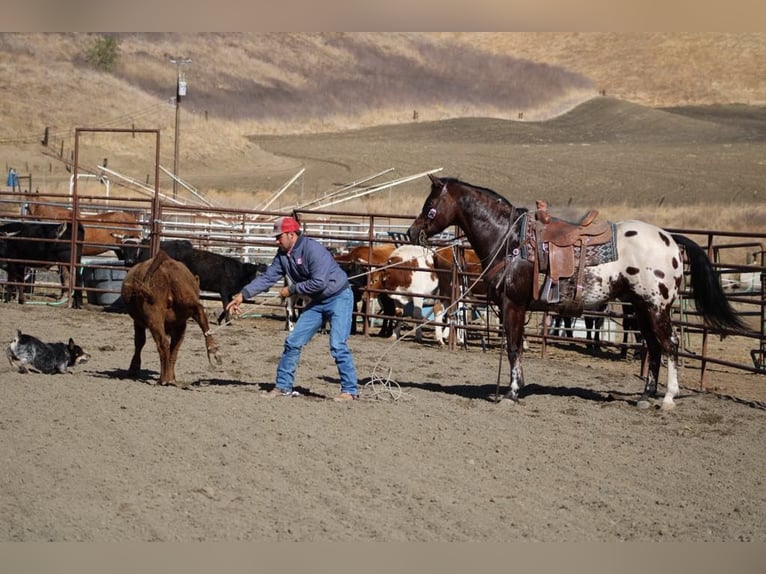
{"x": 103, "y": 53}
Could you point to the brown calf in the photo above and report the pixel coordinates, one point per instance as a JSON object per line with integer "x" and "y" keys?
{"x": 161, "y": 294}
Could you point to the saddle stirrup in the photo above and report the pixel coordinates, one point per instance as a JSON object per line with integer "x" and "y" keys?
{"x": 550, "y": 291}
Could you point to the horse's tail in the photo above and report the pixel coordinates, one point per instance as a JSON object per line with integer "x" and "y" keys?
{"x": 706, "y": 286}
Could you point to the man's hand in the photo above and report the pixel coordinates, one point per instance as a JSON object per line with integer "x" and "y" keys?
{"x": 234, "y": 304}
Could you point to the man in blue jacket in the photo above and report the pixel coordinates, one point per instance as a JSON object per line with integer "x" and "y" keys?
{"x": 314, "y": 273}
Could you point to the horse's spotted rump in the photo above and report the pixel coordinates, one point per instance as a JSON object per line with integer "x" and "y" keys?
{"x": 631, "y": 233}
{"x": 659, "y": 274}
{"x": 632, "y": 270}
{"x": 665, "y": 238}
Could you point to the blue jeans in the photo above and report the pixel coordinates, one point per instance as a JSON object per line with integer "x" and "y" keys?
{"x": 338, "y": 311}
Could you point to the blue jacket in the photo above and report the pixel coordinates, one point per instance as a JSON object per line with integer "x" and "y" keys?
{"x": 310, "y": 268}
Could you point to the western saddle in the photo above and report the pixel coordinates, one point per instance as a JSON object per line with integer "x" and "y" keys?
{"x": 561, "y": 253}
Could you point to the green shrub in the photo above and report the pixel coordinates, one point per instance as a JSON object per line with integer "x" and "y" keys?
{"x": 103, "y": 53}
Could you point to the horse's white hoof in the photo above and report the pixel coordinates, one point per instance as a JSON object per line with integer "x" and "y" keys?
{"x": 643, "y": 404}
{"x": 668, "y": 405}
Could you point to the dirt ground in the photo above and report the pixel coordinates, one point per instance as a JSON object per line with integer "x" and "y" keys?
{"x": 96, "y": 456}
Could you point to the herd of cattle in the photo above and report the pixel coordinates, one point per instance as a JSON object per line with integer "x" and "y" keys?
{"x": 400, "y": 278}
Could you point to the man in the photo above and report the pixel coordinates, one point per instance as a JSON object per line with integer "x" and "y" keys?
{"x": 13, "y": 179}
{"x": 314, "y": 273}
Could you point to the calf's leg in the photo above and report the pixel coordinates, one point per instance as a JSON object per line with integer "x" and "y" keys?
{"x": 177, "y": 331}
{"x": 163, "y": 348}
{"x": 139, "y": 340}
{"x": 198, "y": 314}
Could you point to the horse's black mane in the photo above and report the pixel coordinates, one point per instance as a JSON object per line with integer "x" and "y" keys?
{"x": 486, "y": 191}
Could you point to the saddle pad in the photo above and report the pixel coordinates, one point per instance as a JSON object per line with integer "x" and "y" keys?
{"x": 600, "y": 254}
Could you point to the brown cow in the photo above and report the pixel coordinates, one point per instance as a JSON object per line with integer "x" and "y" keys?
{"x": 161, "y": 294}
{"x": 103, "y": 230}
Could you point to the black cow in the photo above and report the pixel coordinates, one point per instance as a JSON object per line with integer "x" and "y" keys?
{"x": 217, "y": 273}
{"x": 42, "y": 245}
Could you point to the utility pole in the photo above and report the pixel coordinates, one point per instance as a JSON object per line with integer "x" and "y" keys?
{"x": 180, "y": 92}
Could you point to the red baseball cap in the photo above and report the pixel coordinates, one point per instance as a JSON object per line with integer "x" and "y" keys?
{"x": 285, "y": 225}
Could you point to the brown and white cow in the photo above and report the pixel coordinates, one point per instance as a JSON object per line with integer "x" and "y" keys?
{"x": 161, "y": 294}
{"x": 358, "y": 263}
{"x": 366, "y": 254}
{"x": 467, "y": 284}
{"x": 407, "y": 277}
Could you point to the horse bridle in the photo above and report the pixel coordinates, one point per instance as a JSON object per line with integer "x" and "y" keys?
{"x": 430, "y": 216}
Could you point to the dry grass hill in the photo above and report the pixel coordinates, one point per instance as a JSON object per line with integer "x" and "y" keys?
{"x": 519, "y": 112}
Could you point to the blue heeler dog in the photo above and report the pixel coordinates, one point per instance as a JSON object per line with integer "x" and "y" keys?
{"x": 28, "y": 353}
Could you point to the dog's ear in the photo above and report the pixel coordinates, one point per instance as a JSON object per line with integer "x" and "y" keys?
{"x": 71, "y": 343}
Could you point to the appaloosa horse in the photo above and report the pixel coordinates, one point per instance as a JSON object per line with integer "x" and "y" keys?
{"x": 646, "y": 270}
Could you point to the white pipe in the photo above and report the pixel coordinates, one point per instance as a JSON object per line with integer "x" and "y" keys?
{"x": 141, "y": 187}
{"x": 344, "y": 188}
{"x": 377, "y": 188}
{"x": 189, "y": 188}
{"x": 283, "y": 188}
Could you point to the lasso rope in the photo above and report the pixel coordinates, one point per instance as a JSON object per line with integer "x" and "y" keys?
{"x": 239, "y": 316}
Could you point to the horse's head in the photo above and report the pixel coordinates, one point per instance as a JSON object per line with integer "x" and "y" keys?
{"x": 439, "y": 212}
